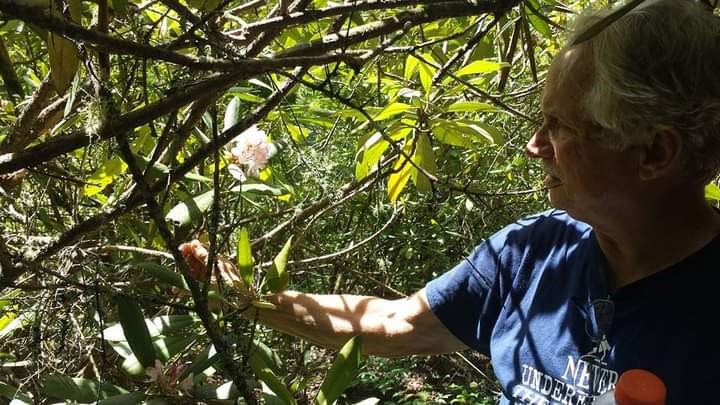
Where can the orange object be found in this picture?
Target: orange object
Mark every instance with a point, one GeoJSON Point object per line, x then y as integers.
{"type": "Point", "coordinates": [640, 387]}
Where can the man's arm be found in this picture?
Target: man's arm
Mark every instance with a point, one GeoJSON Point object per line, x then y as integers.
{"type": "Point", "coordinates": [390, 328]}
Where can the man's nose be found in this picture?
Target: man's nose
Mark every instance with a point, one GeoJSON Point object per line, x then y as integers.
{"type": "Point", "coordinates": [539, 145]}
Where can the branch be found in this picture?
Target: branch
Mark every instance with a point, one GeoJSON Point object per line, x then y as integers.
{"type": "Point", "coordinates": [346, 191]}
{"type": "Point", "coordinates": [304, 17]}
{"type": "Point", "coordinates": [60, 145]}
{"type": "Point", "coordinates": [124, 206]}
{"type": "Point", "coordinates": [350, 248]}
{"type": "Point", "coordinates": [449, 9]}
{"type": "Point", "coordinates": [199, 296]}
{"type": "Point", "coordinates": [110, 44]}
{"type": "Point", "coordinates": [21, 133]}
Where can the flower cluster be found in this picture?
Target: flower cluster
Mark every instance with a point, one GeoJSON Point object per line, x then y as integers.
{"type": "Point", "coordinates": [252, 149]}
{"type": "Point", "coordinates": [166, 378]}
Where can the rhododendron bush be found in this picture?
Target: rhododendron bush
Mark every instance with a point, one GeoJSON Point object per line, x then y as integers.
{"type": "Point", "coordinates": [166, 165]}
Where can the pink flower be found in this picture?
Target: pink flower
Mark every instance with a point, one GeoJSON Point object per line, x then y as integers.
{"type": "Point", "coordinates": [166, 378]}
{"type": "Point", "coordinates": [252, 149]}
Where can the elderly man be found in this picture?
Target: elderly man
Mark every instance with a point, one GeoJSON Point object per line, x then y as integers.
{"type": "Point", "coordinates": [623, 273]}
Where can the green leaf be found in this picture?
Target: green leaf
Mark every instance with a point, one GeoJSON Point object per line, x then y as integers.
{"type": "Point", "coordinates": [427, 72]}
{"type": "Point", "coordinates": [540, 25]}
{"type": "Point", "coordinates": [11, 392]}
{"type": "Point", "coordinates": [120, 7]}
{"type": "Point", "coordinates": [203, 361]}
{"type": "Point", "coordinates": [78, 389]}
{"type": "Point", "coordinates": [487, 133]}
{"type": "Point", "coordinates": [480, 66]}
{"type": "Point", "coordinates": [342, 373]}
{"type": "Point", "coordinates": [369, 155]}
{"type": "Point", "coordinates": [232, 113]}
{"type": "Point", "coordinates": [392, 110]}
{"type": "Point", "coordinates": [221, 392]}
{"type": "Point", "coordinates": [264, 357]}
{"type": "Point", "coordinates": [130, 398]}
{"type": "Point", "coordinates": [161, 273]}
{"type": "Point", "coordinates": [165, 348]}
{"type": "Point", "coordinates": [190, 210]}
{"type": "Point", "coordinates": [64, 58]}
{"type": "Point", "coordinates": [244, 258]}
{"type": "Point", "coordinates": [7, 72]}
{"type": "Point", "coordinates": [469, 106]}
{"type": "Point", "coordinates": [277, 278]}
{"type": "Point", "coordinates": [135, 330]}
{"type": "Point", "coordinates": [276, 385]}
{"type": "Point", "coordinates": [16, 323]}
{"type": "Point", "coordinates": [712, 192]}
{"type": "Point", "coordinates": [160, 325]}
{"type": "Point", "coordinates": [451, 133]}
{"type": "Point", "coordinates": [401, 174]}
{"type": "Point", "coordinates": [298, 134]}
{"type": "Point", "coordinates": [104, 175]}
{"type": "Point", "coordinates": [411, 65]}
{"type": "Point", "coordinates": [423, 157]}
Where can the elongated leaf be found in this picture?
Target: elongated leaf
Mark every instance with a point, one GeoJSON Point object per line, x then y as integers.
{"type": "Point", "coordinates": [11, 392]}
{"type": "Point", "coordinates": [369, 155]}
{"type": "Point", "coordinates": [265, 357]}
{"type": "Point", "coordinates": [104, 175]}
{"type": "Point", "coordinates": [448, 132]}
{"type": "Point", "coordinates": [202, 362]}
{"type": "Point", "coordinates": [78, 389]}
{"type": "Point", "coordinates": [342, 373]}
{"type": "Point", "coordinates": [130, 398]}
{"type": "Point", "coordinates": [7, 72]}
{"type": "Point", "coordinates": [298, 133]}
{"type": "Point", "coordinates": [160, 325]}
{"type": "Point", "coordinates": [165, 348]}
{"type": "Point", "coordinates": [392, 110]}
{"type": "Point", "coordinates": [64, 58]}
{"type": "Point", "coordinates": [244, 258]}
{"type": "Point", "coordinates": [423, 157]}
{"type": "Point", "coordinates": [411, 65]}
{"type": "Point", "coordinates": [480, 66]}
{"type": "Point", "coordinates": [232, 113]}
{"type": "Point", "coordinates": [135, 330]}
{"type": "Point", "coordinates": [161, 273]}
{"type": "Point", "coordinates": [191, 210]}
{"type": "Point", "coordinates": [210, 391]}
{"type": "Point", "coordinates": [469, 106]}
{"type": "Point", "coordinates": [536, 19]}
{"type": "Point", "coordinates": [426, 72]}
{"type": "Point", "coordinates": [120, 7]}
{"type": "Point", "coordinates": [401, 174]}
{"type": "Point", "coordinates": [254, 186]}
{"type": "Point", "coordinates": [712, 192]}
{"type": "Point", "coordinates": [17, 323]}
{"type": "Point", "coordinates": [277, 278]}
{"type": "Point", "coordinates": [276, 385]}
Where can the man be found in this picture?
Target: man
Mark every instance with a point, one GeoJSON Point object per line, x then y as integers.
{"type": "Point", "coordinates": [623, 274]}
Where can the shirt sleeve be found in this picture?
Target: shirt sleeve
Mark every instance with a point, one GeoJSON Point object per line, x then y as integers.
{"type": "Point", "coordinates": [469, 298]}
{"type": "Point", "coordinates": [465, 300]}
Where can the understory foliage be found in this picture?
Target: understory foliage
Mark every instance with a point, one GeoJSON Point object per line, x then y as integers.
{"type": "Point", "coordinates": [361, 147]}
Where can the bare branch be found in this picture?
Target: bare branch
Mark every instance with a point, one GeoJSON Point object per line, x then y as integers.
{"type": "Point", "coordinates": [387, 25]}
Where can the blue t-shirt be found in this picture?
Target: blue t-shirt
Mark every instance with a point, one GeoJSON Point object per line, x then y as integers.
{"type": "Point", "coordinates": [534, 297]}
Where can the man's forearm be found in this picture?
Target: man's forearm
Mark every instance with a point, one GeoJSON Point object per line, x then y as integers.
{"type": "Point", "coordinates": [390, 328]}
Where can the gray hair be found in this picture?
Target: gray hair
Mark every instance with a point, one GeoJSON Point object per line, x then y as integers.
{"type": "Point", "coordinates": [658, 65]}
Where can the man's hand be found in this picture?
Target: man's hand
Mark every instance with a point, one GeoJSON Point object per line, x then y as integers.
{"type": "Point", "coordinates": [236, 292]}
{"type": "Point", "coordinates": [195, 255]}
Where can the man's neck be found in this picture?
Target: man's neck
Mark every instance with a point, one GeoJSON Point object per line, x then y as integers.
{"type": "Point", "coordinates": [655, 239]}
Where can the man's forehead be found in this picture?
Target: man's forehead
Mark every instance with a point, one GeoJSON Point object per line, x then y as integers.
{"type": "Point", "coordinates": [568, 80]}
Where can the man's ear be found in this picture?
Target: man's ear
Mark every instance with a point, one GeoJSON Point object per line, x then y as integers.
{"type": "Point", "coordinates": [662, 155]}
